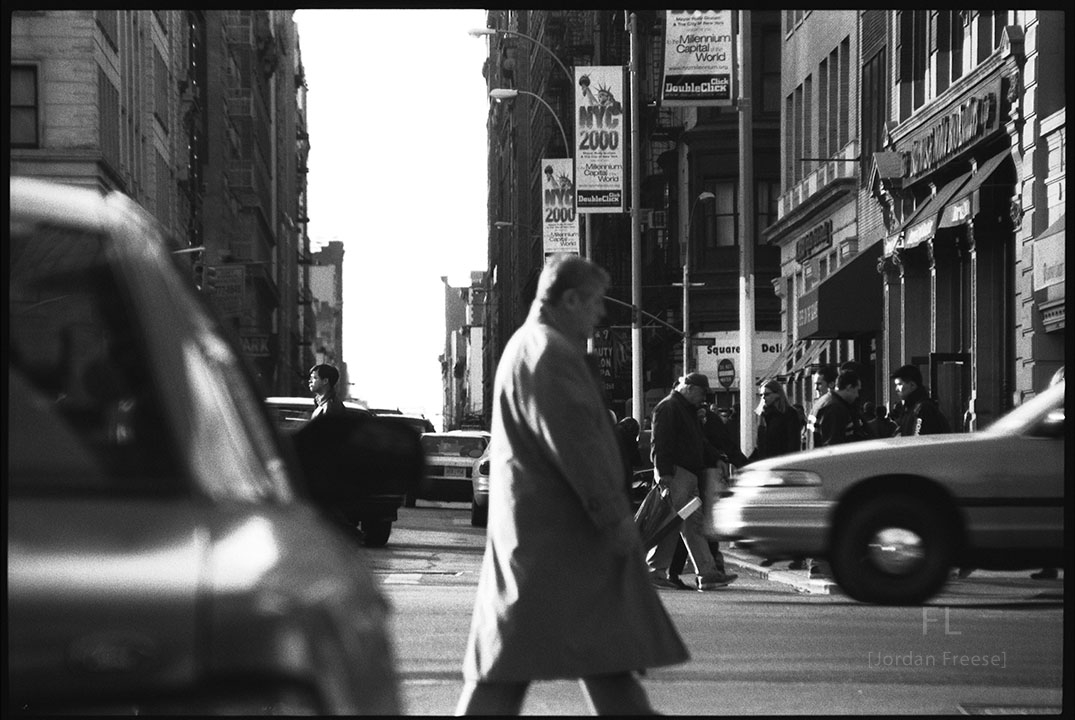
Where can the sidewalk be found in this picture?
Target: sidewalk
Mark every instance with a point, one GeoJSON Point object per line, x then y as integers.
{"type": "Point", "coordinates": [746, 562]}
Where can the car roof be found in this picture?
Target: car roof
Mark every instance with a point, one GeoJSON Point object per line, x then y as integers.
{"type": "Point", "coordinates": [302, 401]}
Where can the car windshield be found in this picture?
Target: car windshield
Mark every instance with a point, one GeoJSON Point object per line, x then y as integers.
{"type": "Point", "coordinates": [454, 445]}
{"type": "Point", "coordinates": [1025, 417]}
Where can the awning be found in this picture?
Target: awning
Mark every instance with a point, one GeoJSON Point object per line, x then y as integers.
{"type": "Point", "coordinates": [922, 224]}
{"type": "Point", "coordinates": [965, 204]}
{"type": "Point", "coordinates": [809, 356]}
{"type": "Point", "coordinates": [780, 362]}
{"type": "Point", "coordinates": [849, 302]}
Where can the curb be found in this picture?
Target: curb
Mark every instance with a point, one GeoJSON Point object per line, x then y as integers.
{"type": "Point", "coordinates": [797, 579]}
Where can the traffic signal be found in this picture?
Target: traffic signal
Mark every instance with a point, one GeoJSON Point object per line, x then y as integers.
{"type": "Point", "coordinates": [205, 277]}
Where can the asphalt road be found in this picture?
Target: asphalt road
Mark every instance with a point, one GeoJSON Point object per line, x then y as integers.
{"type": "Point", "coordinates": [989, 644]}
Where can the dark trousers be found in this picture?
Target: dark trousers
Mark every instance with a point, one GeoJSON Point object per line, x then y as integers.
{"type": "Point", "coordinates": [679, 558]}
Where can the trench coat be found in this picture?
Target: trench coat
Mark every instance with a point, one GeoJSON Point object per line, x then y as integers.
{"type": "Point", "coordinates": [564, 591]}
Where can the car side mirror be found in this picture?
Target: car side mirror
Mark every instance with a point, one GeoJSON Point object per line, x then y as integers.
{"type": "Point", "coordinates": [345, 458]}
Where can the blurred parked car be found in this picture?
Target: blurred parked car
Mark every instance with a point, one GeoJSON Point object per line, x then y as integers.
{"type": "Point", "coordinates": [894, 516]}
{"type": "Point", "coordinates": [479, 502]}
{"type": "Point", "coordinates": [163, 557]}
{"type": "Point", "coordinates": [374, 505]}
{"type": "Point", "coordinates": [418, 424]}
{"type": "Point", "coordinates": [450, 464]}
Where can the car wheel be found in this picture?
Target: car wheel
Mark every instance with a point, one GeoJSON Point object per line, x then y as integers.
{"type": "Point", "coordinates": [479, 516]}
{"type": "Point", "coordinates": [893, 550]}
{"type": "Point", "coordinates": [376, 532]}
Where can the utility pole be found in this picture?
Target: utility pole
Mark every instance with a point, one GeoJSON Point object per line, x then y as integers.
{"type": "Point", "coordinates": [747, 391]}
{"type": "Point", "coordinates": [637, 406]}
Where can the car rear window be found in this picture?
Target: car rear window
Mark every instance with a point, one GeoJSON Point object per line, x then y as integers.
{"type": "Point", "coordinates": [90, 419]}
{"type": "Point", "coordinates": [454, 445]}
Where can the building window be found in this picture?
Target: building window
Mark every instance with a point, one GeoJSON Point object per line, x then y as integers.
{"type": "Point", "coordinates": [721, 220]}
{"type": "Point", "coordinates": [874, 111]}
{"type": "Point", "coordinates": [161, 90]}
{"type": "Point", "coordinates": [108, 101]}
{"type": "Point", "coordinates": [824, 103]}
{"type": "Point", "coordinates": [766, 194]}
{"type": "Point", "coordinates": [770, 69]}
{"type": "Point", "coordinates": [990, 31]}
{"type": "Point", "coordinates": [843, 118]}
{"type": "Point", "coordinates": [24, 107]}
{"type": "Point", "coordinates": [797, 136]}
{"type": "Point", "coordinates": [789, 141]}
{"type": "Point", "coordinates": [911, 50]}
{"type": "Point", "coordinates": [163, 177]}
{"type": "Point", "coordinates": [807, 167]}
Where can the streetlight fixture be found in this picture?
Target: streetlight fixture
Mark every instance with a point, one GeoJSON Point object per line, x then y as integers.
{"type": "Point", "coordinates": [479, 32]}
{"type": "Point", "coordinates": [685, 251]}
{"type": "Point", "coordinates": [499, 94]}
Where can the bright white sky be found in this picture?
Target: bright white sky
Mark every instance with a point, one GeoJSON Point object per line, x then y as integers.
{"type": "Point", "coordinates": [396, 112]}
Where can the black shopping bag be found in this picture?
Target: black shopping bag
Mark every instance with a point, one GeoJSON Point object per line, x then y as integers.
{"type": "Point", "coordinates": [657, 518]}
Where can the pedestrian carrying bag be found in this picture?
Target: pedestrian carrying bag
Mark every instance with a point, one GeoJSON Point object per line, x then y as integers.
{"type": "Point", "coordinates": [657, 518]}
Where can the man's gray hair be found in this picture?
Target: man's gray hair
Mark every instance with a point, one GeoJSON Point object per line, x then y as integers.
{"type": "Point", "coordinates": [565, 272]}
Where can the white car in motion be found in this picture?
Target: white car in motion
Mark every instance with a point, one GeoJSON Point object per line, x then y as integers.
{"type": "Point", "coordinates": [894, 516]}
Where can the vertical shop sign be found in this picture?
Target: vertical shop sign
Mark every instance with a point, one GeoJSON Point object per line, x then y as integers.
{"type": "Point", "coordinates": [560, 224]}
{"type": "Point", "coordinates": [599, 139]}
{"type": "Point", "coordinates": [699, 58]}
{"type": "Point", "coordinates": [228, 289]}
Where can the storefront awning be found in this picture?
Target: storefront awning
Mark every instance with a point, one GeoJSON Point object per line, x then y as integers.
{"type": "Point", "coordinates": [847, 303]}
{"type": "Point", "coordinates": [810, 355]}
{"type": "Point", "coordinates": [965, 203]}
{"type": "Point", "coordinates": [922, 224]}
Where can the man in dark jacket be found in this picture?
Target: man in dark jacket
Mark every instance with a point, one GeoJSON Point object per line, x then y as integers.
{"type": "Point", "coordinates": [839, 420]}
{"type": "Point", "coordinates": [920, 414]}
{"type": "Point", "coordinates": [679, 451]}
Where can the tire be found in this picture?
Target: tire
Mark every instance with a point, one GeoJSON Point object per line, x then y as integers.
{"type": "Point", "coordinates": [893, 549]}
{"type": "Point", "coordinates": [479, 516]}
{"type": "Point", "coordinates": [376, 532]}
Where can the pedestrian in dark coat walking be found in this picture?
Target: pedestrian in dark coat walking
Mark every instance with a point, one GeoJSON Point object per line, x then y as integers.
{"type": "Point", "coordinates": [564, 590]}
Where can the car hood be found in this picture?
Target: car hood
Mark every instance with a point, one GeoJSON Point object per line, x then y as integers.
{"type": "Point", "coordinates": [975, 465]}
{"type": "Point", "coordinates": [924, 445]}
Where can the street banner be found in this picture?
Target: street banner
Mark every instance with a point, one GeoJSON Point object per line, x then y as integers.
{"type": "Point", "coordinates": [599, 139]}
{"type": "Point", "coordinates": [560, 226]}
{"type": "Point", "coordinates": [699, 58]}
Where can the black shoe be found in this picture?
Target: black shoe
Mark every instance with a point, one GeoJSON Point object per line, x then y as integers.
{"type": "Point", "coordinates": [680, 585]}
{"type": "Point", "coordinates": [1045, 574]}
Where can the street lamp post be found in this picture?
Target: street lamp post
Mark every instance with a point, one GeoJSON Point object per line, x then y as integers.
{"type": "Point", "coordinates": [479, 32]}
{"type": "Point", "coordinates": [499, 94]}
{"type": "Point", "coordinates": [685, 248]}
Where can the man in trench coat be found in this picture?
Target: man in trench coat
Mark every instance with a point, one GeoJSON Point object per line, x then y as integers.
{"type": "Point", "coordinates": [564, 590]}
